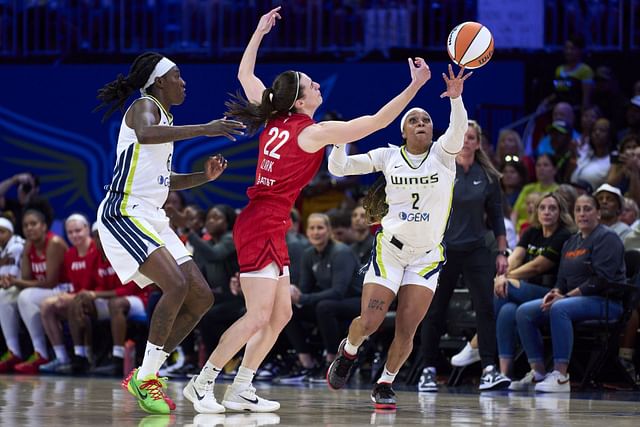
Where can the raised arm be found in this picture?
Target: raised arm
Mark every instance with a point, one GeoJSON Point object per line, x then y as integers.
{"type": "Point", "coordinates": [252, 85]}
{"type": "Point", "coordinates": [340, 164]}
{"type": "Point", "coordinates": [315, 137]}
{"type": "Point", "coordinates": [453, 139]}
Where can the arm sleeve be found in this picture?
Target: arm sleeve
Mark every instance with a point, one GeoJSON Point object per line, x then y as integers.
{"type": "Point", "coordinates": [211, 253]}
{"type": "Point", "coordinates": [453, 139]}
{"type": "Point", "coordinates": [343, 267]}
{"type": "Point", "coordinates": [359, 164]}
{"type": "Point", "coordinates": [494, 209]}
{"type": "Point", "coordinates": [607, 261]}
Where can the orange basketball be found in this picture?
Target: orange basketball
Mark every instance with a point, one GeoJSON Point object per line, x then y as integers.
{"type": "Point", "coordinates": [470, 44]}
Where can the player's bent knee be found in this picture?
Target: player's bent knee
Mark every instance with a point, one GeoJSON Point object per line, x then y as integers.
{"type": "Point", "coordinates": [370, 324]}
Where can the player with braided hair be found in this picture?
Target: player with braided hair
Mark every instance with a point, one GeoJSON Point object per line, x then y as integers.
{"type": "Point", "coordinates": [133, 227]}
{"type": "Point", "coordinates": [290, 153]}
{"type": "Point", "coordinates": [408, 254]}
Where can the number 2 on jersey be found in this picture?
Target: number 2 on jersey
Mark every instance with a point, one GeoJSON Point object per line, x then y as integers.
{"type": "Point", "coordinates": [416, 198]}
{"type": "Point", "coordinates": [275, 133]}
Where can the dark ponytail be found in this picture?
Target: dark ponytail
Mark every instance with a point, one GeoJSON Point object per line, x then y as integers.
{"type": "Point", "coordinates": [114, 94]}
{"type": "Point", "coordinates": [375, 201]}
{"type": "Point", "coordinates": [277, 99]}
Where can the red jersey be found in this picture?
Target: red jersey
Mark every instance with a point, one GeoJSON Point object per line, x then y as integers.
{"type": "Point", "coordinates": [39, 262]}
{"type": "Point", "coordinates": [107, 280]}
{"type": "Point", "coordinates": [79, 270]}
{"type": "Point", "coordinates": [283, 170]}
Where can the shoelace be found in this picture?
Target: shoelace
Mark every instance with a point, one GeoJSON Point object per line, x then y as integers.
{"type": "Point", "coordinates": [155, 389]}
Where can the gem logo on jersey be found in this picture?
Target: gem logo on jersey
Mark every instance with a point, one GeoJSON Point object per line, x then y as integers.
{"type": "Point", "coordinates": [414, 180]}
{"type": "Point", "coordinates": [414, 216]}
{"type": "Point", "coordinates": [164, 180]}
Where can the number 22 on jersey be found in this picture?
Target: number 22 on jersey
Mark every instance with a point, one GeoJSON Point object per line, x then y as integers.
{"type": "Point", "coordinates": [281, 136]}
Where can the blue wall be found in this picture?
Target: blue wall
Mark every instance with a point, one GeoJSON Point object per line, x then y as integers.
{"type": "Point", "coordinates": [46, 123]}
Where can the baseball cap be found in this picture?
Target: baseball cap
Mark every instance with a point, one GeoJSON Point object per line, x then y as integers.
{"type": "Point", "coordinates": [583, 185]}
{"type": "Point", "coordinates": [559, 125]}
{"type": "Point", "coordinates": [613, 190]}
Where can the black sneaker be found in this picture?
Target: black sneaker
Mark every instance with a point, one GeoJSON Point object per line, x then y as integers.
{"type": "Point", "coordinates": [339, 370]}
{"type": "Point", "coordinates": [320, 374]}
{"type": "Point", "coordinates": [112, 369]}
{"type": "Point", "coordinates": [79, 365]}
{"type": "Point", "coordinates": [383, 396]}
{"type": "Point", "coordinates": [491, 379]}
{"type": "Point", "coordinates": [302, 375]}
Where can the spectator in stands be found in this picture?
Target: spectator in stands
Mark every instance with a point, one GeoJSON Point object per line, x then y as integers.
{"type": "Point", "coordinates": [174, 207]}
{"type": "Point", "coordinates": [569, 193]}
{"type": "Point", "coordinates": [105, 298]}
{"type": "Point", "coordinates": [533, 266]}
{"type": "Point", "coordinates": [608, 97]}
{"type": "Point", "coordinates": [581, 187]}
{"type": "Point", "coordinates": [593, 252]}
{"type": "Point", "coordinates": [194, 217]}
{"type": "Point", "coordinates": [633, 118]}
{"type": "Point", "coordinates": [476, 194]}
{"type": "Point", "coordinates": [218, 262]}
{"type": "Point", "coordinates": [573, 80]}
{"type": "Point", "coordinates": [11, 248]}
{"type": "Point", "coordinates": [329, 272]}
{"type": "Point", "coordinates": [27, 188]}
{"type": "Point", "coordinates": [611, 202]}
{"type": "Point", "coordinates": [630, 212]}
{"type": "Point", "coordinates": [545, 174]}
{"type": "Point", "coordinates": [562, 112]}
{"type": "Point", "coordinates": [296, 245]}
{"type": "Point", "coordinates": [587, 121]}
{"type": "Point", "coordinates": [625, 167]}
{"type": "Point", "coordinates": [594, 167]}
{"type": "Point", "coordinates": [514, 178]}
{"type": "Point", "coordinates": [79, 267]}
{"type": "Point", "coordinates": [511, 149]}
{"type": "Point", "coordinates": [41, 273]}
{"type": "Point", "coordinates": [362, 237]}
{"type": "Point", "coordinates": [341, 226]}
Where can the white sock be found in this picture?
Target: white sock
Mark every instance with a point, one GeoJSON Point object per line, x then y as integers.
{"type": "Point", "coordinates": [387, 377]}
{"type": "Point", "coordinates": [61, 353]}
{"type": "Point", "coordinates": [154, 357]}
{"type": "Point", "coordinates": [40, 346]}
{"type": "Point", "coordinates": [350, 349]}
{"type": "Point", "coordinates": [208, 374]}
{"type": "Point", "coordinates": [244, 376]}
{"type": "Point", "coordinates": [118, 351]}
{"type": "Point", "coordinates": [80, 350]}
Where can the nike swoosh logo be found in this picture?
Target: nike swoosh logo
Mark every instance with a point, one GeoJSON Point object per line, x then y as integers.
{"type": "Point", "coordinates": [476, 182]}
{"type": "Point", "coordinates": [196, 392]}
{"type": "Point", "coordinates": [139, 392]}
{"type": "Point", "coordinates": [397, 166]}
{"type": "Point", "coordinates": [254, 401]}
{"type": "Point", "coordinates": [563, 382]}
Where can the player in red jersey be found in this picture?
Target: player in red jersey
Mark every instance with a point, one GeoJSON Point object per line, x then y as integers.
{"type": "Point", "coordinates": [291, 149]}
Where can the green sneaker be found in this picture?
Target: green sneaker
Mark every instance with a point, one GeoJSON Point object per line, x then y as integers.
{"type": "Point", "coordinates": [149, 393]}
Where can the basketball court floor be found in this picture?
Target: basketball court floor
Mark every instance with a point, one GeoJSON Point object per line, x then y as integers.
{"type": "Point", "coordinates": [67, 401]}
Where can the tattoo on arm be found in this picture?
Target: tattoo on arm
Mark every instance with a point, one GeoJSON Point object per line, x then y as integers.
{"type": "Point", "coordinates": [376, 304]}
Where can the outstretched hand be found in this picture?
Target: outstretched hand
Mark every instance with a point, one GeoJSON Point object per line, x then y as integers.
{"type": "Point", "coordinates": [268, 21]}
{"type": "Point", "coordinates": [214, 166]}
{"type": "Point", "coordinates": [224, 127]}
{"type": "Point", "coordinates": [420, 72]}
{"type": "Point", "coordinates": [455, 84]}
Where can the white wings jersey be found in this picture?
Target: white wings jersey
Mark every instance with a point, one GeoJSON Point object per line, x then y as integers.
{"type": "Point", "coordinates": [419, 195]}
{"type": "Point", "coordinates": [142, 171]}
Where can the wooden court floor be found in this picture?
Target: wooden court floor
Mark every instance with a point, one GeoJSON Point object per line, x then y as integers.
{"type": "Point", "coordinates": [66, 401]}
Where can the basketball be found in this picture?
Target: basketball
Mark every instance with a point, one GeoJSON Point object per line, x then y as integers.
{"type": "Point", "coordinates": [470, 44]}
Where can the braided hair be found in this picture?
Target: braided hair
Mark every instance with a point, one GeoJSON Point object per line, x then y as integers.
{"type": "Point", "coordinates": [375, 201]}
{"type": "Point", "coordinates": [277, 99]}
{"type": "Point", "coordinates": [114, 94]}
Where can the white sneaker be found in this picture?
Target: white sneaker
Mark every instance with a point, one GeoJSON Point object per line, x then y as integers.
{"type": "Point", "coordinates": [554, 382]}
{"type": "Point", "coordinates": [491, 379]}
{"type": "Point", "coordinates": [467, 356]}
{"type": "Point", "coordinates": [202, 397]}
{"type": "Point", "coordinates": [242, 397]}
{"type": "Point", "coordinates": [526, 383]}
